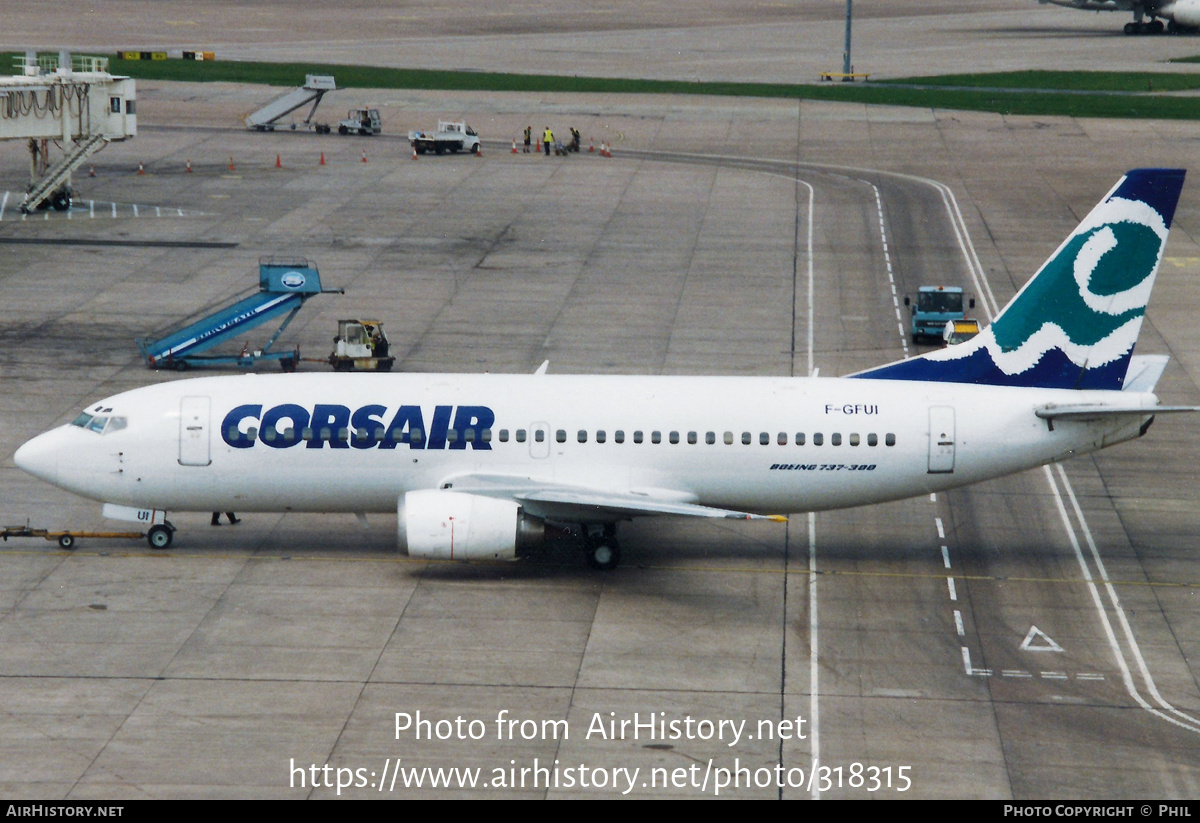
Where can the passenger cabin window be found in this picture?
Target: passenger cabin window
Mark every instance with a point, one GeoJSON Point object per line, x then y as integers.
{"type": "Point", "coordinates": [818, 439]}
{"type": "Point", "coordinates": [674, 437]}
{"type": "Point", "coordinates": [710, 438]}
{"type": "Point", "coordinates": [655, 437]}
{"type": "Point", "coordinates": [637, 437]}
{"type": "Point", "coordinates": [854, 440]}
{"type": "Point", "coordinates": [601, 436]}
{"type": "Point", "coordinates": [799, 438]}
{"type": "Point", "coordinates": [835, 439]}
{"type": "Point", "coordinates": [889, 440]}
{"type": "Point", "coordinates": [521, 435]}
{"type": "Point", "coordinates": [618, 436]}
{"type": "Point", "coordinates": [872, 440]}
{"type": "Point", "coordinates": [763, 438]}
{"type": "Point", "coordinates": [561, 435]}
{"type": "Point", "coordinates": [581, 436]}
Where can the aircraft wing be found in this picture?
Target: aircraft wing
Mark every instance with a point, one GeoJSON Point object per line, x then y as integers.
{"type": "Point", "coordinates": [570, 502]}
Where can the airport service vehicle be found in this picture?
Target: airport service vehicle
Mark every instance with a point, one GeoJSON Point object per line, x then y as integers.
{"type": "Point", "coordinates": [484, 466]}
{"type": "Point", "coordinates": [935, 307]}
{"type": "Point", "coordinates": [361, 121]}
{"type": "Point", "coordinates": [360, 345]}
{"type": "Point", "coordinates": [958, 331]}
{"type": "Point", "coordinates": [1182, 16]}
{"type": "Point", "coordinates": [450, 136]}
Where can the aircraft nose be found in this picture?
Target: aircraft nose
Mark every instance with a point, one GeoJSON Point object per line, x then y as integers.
{"type": "Point", "coordinates": [39, 457]}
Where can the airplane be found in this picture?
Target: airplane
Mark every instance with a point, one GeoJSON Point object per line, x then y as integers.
{"type": "Point", "coordinates": [486, 466]}
{"type": "Point", "coordinates": [1181, 15]}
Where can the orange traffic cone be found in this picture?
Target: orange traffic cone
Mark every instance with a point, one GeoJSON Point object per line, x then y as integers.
{"type": "Point", "coordinates": [364, 155]}
{"type": "Point", "coordinates": [278, 162]}
{"type": "Point", "coordinates": [231, 162]}
{"type": "Point", "coordinates": [414, 152]}
{"type": "Point", "coordinates": [322, 163]}
{"type": "Point", "coordinates": [591, 145]}
{"type": "Point", "coordinates": [141, 169]}
{"type": "Point", "coordinates": [188, 167]}
{"type": "Point", "coordinates": [92, 172]}
{"type": "Point", "coordinates": [514, 147]}
{"type": "Point", "coordinates": [479, 150]}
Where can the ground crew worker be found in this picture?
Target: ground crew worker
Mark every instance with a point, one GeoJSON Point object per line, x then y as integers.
{"type": "Point", "coordinates": [528, 137]}
{"type": "Point", "coordinates": [547, 139]}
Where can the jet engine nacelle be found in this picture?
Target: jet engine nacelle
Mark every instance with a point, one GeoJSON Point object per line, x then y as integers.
{"type": "Point", "coordinates": [452, 525]}
{"type": "Point", "coordinates": [1184, 12]}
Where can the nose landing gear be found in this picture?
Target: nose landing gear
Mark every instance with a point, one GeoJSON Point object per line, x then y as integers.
{"type": "Point", "coordinates": [160, 537]}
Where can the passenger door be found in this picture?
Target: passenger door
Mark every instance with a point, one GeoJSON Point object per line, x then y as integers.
{"type": "Point", "coordinates": [193, 431]}
{"type": "Point", "coordinates": [941, 439]}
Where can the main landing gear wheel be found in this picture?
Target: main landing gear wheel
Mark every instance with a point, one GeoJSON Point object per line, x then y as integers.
{"type": "Point", "coordinates": [602, 553]}
{"type": "Point", "coordinates": [1153, 27]}
{"type": "Point", "coordinates": [160, 537]}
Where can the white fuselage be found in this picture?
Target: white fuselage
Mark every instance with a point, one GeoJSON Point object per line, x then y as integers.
{"type": "Point", "coordinates": [223, 443]}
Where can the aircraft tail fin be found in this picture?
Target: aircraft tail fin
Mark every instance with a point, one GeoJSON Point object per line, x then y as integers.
{"type": "Point", "coordinates": [1075, 323]}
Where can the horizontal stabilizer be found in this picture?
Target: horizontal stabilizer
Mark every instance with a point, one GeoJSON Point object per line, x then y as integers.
{"type": "Point", "coordinates": [1096, 412]}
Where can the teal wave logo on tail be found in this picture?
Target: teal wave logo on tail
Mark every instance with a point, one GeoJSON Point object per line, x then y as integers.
{"type": "Point", "coordinates": [1075, 323]}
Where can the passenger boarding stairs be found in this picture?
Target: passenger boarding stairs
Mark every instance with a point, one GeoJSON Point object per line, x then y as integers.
{"type": "Point", "coordinates": [314, 88]}
{"type": "Point", "coordinates": [55, 188]}
{"type": "Point", "coordinates": [284, 286]}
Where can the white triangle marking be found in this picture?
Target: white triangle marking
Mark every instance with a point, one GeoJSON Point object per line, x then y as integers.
{"type": "Point", "coordinates": [1043, 641]}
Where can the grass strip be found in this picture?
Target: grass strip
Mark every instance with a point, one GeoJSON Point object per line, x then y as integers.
{"type": "Point", "coordinates": [1072, 94]}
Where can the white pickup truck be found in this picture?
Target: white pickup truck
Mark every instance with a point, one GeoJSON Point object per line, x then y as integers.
{"type": "Point", "coordinates": [450, 137]}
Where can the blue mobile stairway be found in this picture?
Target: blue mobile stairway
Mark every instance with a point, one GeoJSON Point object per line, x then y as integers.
{"type": "Point", "coordinates": [284, 285]}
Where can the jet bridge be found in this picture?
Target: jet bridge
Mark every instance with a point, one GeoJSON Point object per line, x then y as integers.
{"type": "Point", "coordinates": [314, 88]}
{"type": "Point", "coordinates": [73, 103]}
{"type": "Point", "coordinates": [284, 286]}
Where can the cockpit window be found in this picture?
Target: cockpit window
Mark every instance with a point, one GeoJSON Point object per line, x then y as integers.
{"type": "Point", "coordinates": [99, 423]}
